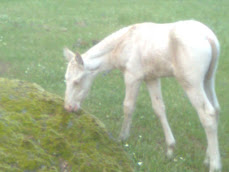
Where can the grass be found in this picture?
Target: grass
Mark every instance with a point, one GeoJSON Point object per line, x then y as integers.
{"type": "Point", "coordinates": [33, 33]}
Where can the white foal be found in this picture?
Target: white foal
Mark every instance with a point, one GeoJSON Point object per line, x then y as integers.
{"type": "Point", "coordinates": [186, 50]}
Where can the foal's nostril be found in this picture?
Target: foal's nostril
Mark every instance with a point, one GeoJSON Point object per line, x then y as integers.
{"type": "Point", "coordinates": [68, 108]}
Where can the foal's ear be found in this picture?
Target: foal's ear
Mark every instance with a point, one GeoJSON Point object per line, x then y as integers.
{"type": "Point", "coordinates": [68, 54]}
{"type": "Point", "coordinates": [79, 59]}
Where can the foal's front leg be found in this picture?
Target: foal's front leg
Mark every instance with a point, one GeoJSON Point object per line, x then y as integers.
{"type": "Point", "coordinates": [132, 86]}
{"type": "Point", "coordinates": [154, 87]}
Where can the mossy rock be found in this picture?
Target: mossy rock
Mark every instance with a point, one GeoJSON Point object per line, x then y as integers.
{"type": "Point", "coordinates": [37, 134]}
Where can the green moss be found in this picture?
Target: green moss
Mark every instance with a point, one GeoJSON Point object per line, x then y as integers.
{"type": "Point", "coordinates": [37, 134]}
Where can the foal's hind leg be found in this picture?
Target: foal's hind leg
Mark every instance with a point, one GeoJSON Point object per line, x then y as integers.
{"type": "Point", "coordinates": [209, 87]}
{"type": "Point", "coordinates": [154, 88]}
{"type": "Point", "coordinates": [208, 117]}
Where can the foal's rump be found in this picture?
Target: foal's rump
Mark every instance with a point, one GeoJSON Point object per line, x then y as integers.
{"type": "Point", "coordinates": [195, 51]}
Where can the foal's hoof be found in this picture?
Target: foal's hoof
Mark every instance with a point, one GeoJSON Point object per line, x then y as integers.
{"type": "Point", "coordinates": [169, 154]}
{"type": "Point", "coordinates": [215, 167]}
{"type": "Point", "coordinates": [215, 170]}
{"type": "Point", "coordinates": [121, 138]}
{"type": "Point", "coordinates": [170, 151]}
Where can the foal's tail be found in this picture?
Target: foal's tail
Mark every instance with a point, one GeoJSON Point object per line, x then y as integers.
{"type": "Point", "coordinates": [209, 82]}
{"type": "Point", "coordinates": [215, 46]}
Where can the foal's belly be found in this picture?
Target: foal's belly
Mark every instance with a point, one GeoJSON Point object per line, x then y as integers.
{"type": "Point", "coordinates": [157, 66]}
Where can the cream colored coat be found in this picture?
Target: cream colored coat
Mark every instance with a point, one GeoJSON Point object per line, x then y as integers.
{"type": "Point", "coordinates": [186, 50]}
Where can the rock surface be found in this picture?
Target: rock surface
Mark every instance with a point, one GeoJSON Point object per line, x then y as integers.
{"type": "Point", "coordinates": [37, 134]}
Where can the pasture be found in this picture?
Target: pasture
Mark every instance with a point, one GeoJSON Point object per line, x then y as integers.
{"type": "Point", "coordinates": [32, 37]}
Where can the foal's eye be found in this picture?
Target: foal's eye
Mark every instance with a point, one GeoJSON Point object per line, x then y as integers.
{"type": "Point", "coordinates": [76, 81]}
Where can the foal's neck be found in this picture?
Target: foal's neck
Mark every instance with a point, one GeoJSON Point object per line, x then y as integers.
{"type": "Point", "coordinates": [98, 57]}
{"type": "Point", "coordinates": [97, 61]}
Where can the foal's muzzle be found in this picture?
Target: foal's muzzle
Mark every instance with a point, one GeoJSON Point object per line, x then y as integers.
{"type": "Point", "coordinates": [70, 108]}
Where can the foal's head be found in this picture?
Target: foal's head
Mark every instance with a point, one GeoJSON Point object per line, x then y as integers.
{"type": "Point", "coordinates": [77, 81]}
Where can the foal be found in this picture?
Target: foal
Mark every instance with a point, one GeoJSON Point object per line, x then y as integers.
{"type": "Point", "coordinates": [186, 50]}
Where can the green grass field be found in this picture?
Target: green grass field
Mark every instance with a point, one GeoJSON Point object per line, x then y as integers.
{"type": "Point", "coordinates": [34, 32]}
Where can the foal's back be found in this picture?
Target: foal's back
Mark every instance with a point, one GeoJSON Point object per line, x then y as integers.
{"type": "Point", "coordinates": [154, 49]}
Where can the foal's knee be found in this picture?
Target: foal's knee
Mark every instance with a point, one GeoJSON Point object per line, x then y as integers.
{"type": "Point", "coordinates": [128, 107]}
{"type": "Point", "coordinates": [159, 108]}
{"type": "Point", "coordinates": [209, 119]}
